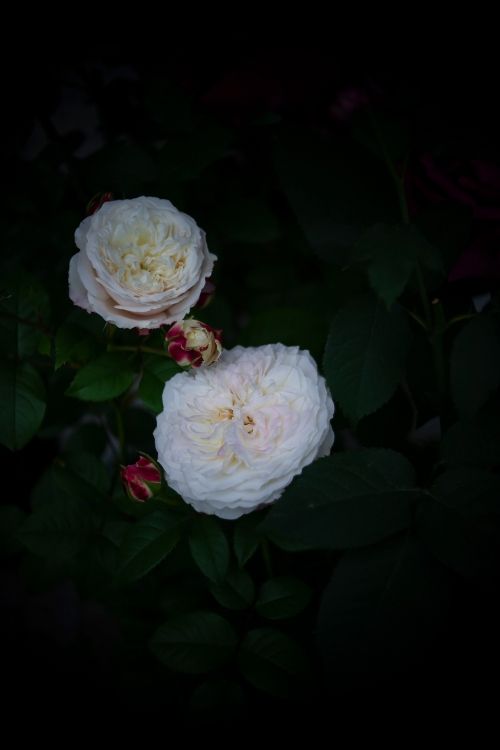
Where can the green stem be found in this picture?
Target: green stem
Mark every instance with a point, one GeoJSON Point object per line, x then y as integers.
{"type": "Point", "coordinates": [438, 350]}
{"type": "Point", "coordinates": [266, 554]}
{"type": "Point", "coordinates": [137, 349]}
{"type": "Point", "coordinates": [423, 296]}
{"type": "Point", "coordinates": [120, 431]}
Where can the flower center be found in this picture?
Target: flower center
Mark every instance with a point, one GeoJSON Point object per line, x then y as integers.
{"type": "Point", "coordinates": [146, 259]}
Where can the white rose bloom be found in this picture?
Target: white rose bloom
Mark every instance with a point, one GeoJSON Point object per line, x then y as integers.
{"type": "Point", "coordinates": [142, 263]}
{"type": "Point", "coordinates": [232, 436]}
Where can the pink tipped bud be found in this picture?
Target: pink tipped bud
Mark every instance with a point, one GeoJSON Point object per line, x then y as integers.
{"type": "Point", "coordinates": [97, 201]}
{"type": "Point", "coordinates": [206, 296]}
{"type": "Point", "coordinates": [143, 331]}
{"type": "Point", "coordinates": [194, 343]}
{"type": "Point", "coordinates": [141, 480]}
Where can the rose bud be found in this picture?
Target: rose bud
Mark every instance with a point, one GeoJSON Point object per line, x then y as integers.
{"type": "Point", "coordinates": [206, 296]}
{"type": "Point", "coordinates": [141, 480]}
{"type": "Point", "coordinates": [97, 201]}
{"type": "Point", "coordinates": [194, 343]}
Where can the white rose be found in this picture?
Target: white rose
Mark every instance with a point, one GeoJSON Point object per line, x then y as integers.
{"type": "Point", "coordinates": [232, 436]}
{"type": "Point", "coordinates": [142, 263]}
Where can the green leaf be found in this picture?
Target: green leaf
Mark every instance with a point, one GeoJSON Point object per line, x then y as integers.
{"type": "Point", "coordinates": [209, 547]}
{"type": "Point", "coordinates": [246, 537]}
{"type": "Point", "coordinates": [365, 356]}
{"type": "Point", "coordinates": [76, 340]}
{"type": "Point", "coordinates": [346, 500]}
{"type": "Point", "coordinates": [11, 519]}
{"type": "Point", "coordinates": [22, 298]}
{"type": "Point", "coordinates": [291, 326]}
{"type": "Point", "coordinates": [105, 378]}
{"type": "Point", "coordinates": [194, 643]}
{"type": "Point", "coordinates": [335, 189]}
{"type": "Point", "coordinates": [380, 610]}
{"type": "Point", "coordinates": [157, 370]}
{"type": "Point", "coordinates": [236, 591]}
{"type": "Point", "coordinates": [22, 394]}
{"type": "Point", "coordinates": [475, 365]}
{"type": "Point", "coordinates": [147, 543]}
{"type": "Point", "coordinates": [185, 158]}
{"type": "Point", "coordinates": [461, 523]}
{"type": "Point", "coordinates": [391, 254]}
{"type": "Point", "coordinates": [91, 469]}
{"type": "Point", "coordinates": [59, 528]}
{"type": "Point", "coordinates": [273, 662]}
{"type": "Point", "coordinates": [282, 597]}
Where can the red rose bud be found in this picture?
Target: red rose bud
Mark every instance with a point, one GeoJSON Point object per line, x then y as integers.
{"type": "Point", "coordinates": [97, 201]}
{"type": "Point", "coordinates": [141, 480]}
{"type": "Point", "coordinates": [194, 343]}
{"type": "Point", "coordinates": [206, 296]}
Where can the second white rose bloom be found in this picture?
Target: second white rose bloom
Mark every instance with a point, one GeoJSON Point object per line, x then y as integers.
{"type": "Point", "coordinates": [142, 263]}
{"type": "Point", "coordinates": [231, 437]}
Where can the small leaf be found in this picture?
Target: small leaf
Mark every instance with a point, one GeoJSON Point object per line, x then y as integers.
{"type": "Point", "coordinates": [157, 370]}
{"type": "Point", "coordinates": [273, 662]}
{"type": "Point", "coordinates": [346, 500]}
{"type": "Point", "coordinates": [105, 378]}
{"type": "Point", "coordinates": [475, 365]}
{"type": "Point", "coordinates": [194, 643]}
{"type": "Point", "coordinates": [22, 394]}
{"type": "Point", "coordinates": [236, 591]}
{"type": "Point", "coordinates": [209, 547]}
{"type": "Point", "coordinates": [365, 356]}
{"type": "Point", "coordinates": [246, 537]}
{"type": "Point", "coordinates": [391, 254]}
{"type": "Point", "coordinates": [22, 298]}
{"type": "Point", "coordinates": [58, 529]}
{"type": "Point", "coordinates": [147, 543]}
{"type": "Point", "coordinates": [282, 597]}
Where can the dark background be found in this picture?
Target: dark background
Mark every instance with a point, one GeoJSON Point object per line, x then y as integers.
{"type": "Point", "coordinates": [61, 113]}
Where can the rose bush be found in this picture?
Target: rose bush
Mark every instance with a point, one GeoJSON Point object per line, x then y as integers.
{"type": "Point", "coordinates": [141, 263]}
{"type": "Point", "coordinates": [233, 436]}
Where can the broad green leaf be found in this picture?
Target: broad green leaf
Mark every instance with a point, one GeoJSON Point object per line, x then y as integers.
{"type": "Point", "coordinates": [194, 643]}
{"type": "Point", "coordinates": [236, 591]}
{"type": "Point", "coordinates": [73, 343]}
{"type": "Point", "coordinates": [380, 610]}
{"type": "Point", "coordinates": [461, 523]}
{"type": "Point", "coordinates": [335, 189]}
{"type": "Point", "coordinates": [291, 326]}
{"type": "Point", "coordinates": [365, 356]}
{"type": "Point", "coordinates": [272, 661]}
{"type": "Point", "coordinates": [184, 158]}
{"type": "Point", "coordinates": [24, 312]}
{"type": "Point", "coordinates": [209, 547]}
{"type": "Point", "coordinates": [147, 543]}
{"type": "Point", "coordinates": [475, 365]}
{"type": "Point", "coordinates": [157, 370]}
{"type": "Point", "coordinates": [383, 135]}
{"type": "Point", "coordinates": [60, 480]}
{"type": "Point", "coordinates": [22, 394]}
{"type": "Point", "coordinates": [346, 500]}
{"type": "Point", "coordinates": [58, 529]}
{"type": "Point", "coordinates": [105, 378]}
{"type": "Point", "coordinates": [246, 537]}
{"type": "Point", "coordinates": [282, 597]}
{"type": "Point", "coordinates": [391, 255]}
{"type": "Point", "coordinates": [91, 469]}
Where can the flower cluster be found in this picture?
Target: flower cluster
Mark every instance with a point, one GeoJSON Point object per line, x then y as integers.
{"type": "Point", "coordinates": [235, 429]}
